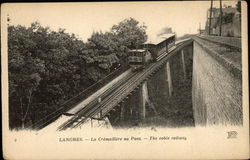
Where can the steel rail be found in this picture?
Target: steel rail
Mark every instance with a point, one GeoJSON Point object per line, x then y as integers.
{"type": "Point", "coordinates": [88, 111]}
{"type": "Point", "coordinates": [112, 97]}
{"type": "Point", "coordinates": [106, 92]}
{"type": "Point", "coordinates": [95, 102]}
{"type": "Point", "coordinates": [68, 103]}
{"type": "Point", "coordinates": [144, 76]}
{"type": "Point", "coordinates": [116, 97]}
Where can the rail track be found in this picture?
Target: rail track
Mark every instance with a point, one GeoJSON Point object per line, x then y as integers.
{"type": "Point", "coordinates": [67, 105]}
{"type": "Point", "coordinates": [86, 109]}
{"type": "Point", "coordinates": [113, 96]}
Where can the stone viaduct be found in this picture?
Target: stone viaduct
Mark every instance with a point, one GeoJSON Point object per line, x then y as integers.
{"type": "Point", "coordinates": [199, 85]}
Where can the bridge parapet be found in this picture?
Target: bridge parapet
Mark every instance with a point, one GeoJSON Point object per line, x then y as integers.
{"type": "Point", "coordinates": [217, 81]}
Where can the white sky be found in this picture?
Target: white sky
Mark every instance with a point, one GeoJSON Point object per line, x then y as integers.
{"type": "Point", "coordinates": [84, 18]}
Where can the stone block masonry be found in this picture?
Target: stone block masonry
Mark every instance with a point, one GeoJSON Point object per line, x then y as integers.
{"type": "Point", "coordinates": [216, 89]}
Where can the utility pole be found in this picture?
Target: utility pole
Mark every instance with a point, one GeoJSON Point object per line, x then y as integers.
{"type": "Point", "coordinates": [210, 16]}
{"type": "Point", "coordinates": [220, 17]}
{"type": "Point", "coordinates": [200, 27]}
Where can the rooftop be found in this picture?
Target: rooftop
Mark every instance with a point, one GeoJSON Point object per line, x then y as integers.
{"type": "Point", "coordinates": [137, 50]}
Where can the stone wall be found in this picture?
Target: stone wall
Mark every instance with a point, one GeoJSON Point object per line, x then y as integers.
{"type": "Point", "coordinates": [216, 92]}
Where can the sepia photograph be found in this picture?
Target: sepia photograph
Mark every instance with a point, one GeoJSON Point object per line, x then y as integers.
{"type": "Point", "coordinates": [100, 80]}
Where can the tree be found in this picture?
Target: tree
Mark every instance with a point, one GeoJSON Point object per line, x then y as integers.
{"type": "Point", "coordinates": [44, 70]}
{"type": "Point", "coordinates": [130, 33]}
{"type": "Point", "coordinates": [24, 71]}
{"type": "Point", "coordinates": [47, 67]}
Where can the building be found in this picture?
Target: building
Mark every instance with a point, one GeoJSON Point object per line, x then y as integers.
{"type": "Point", "coordinates": [230, 22]}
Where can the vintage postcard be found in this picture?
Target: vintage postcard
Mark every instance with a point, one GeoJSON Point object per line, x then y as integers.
{"type": "Point", "coordinates": [125, 80]}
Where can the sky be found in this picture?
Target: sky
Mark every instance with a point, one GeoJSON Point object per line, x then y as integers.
{"type": "Point", "coordinates": [84, 18]}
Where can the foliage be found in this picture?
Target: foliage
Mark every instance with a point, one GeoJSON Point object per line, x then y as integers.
{"type": "Point", "coordinates": [129, 32]}
{"type": "Point", "coordinates": [47, 67]}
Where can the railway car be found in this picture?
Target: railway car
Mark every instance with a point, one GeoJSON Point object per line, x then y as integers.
{"type": "Point", "coordinates": [165, 42]}
{"type": "Point", "coordinates": [151, 51]}
{"type": "Point", "coordinates": [139, 58]}
{"type": "Point", "coordinates": [152, 48]}
{"type": "Point", "coordinates": [160, 45]}
{"type": "Point", "coordinates": [170, 41]}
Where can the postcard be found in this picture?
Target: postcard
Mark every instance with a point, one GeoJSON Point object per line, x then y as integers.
{"type": "Point", "coordinates": [125, 80]}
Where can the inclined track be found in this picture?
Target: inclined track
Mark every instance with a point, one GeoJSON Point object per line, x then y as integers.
{"type": "Point", "coordinates": [113, 96]}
